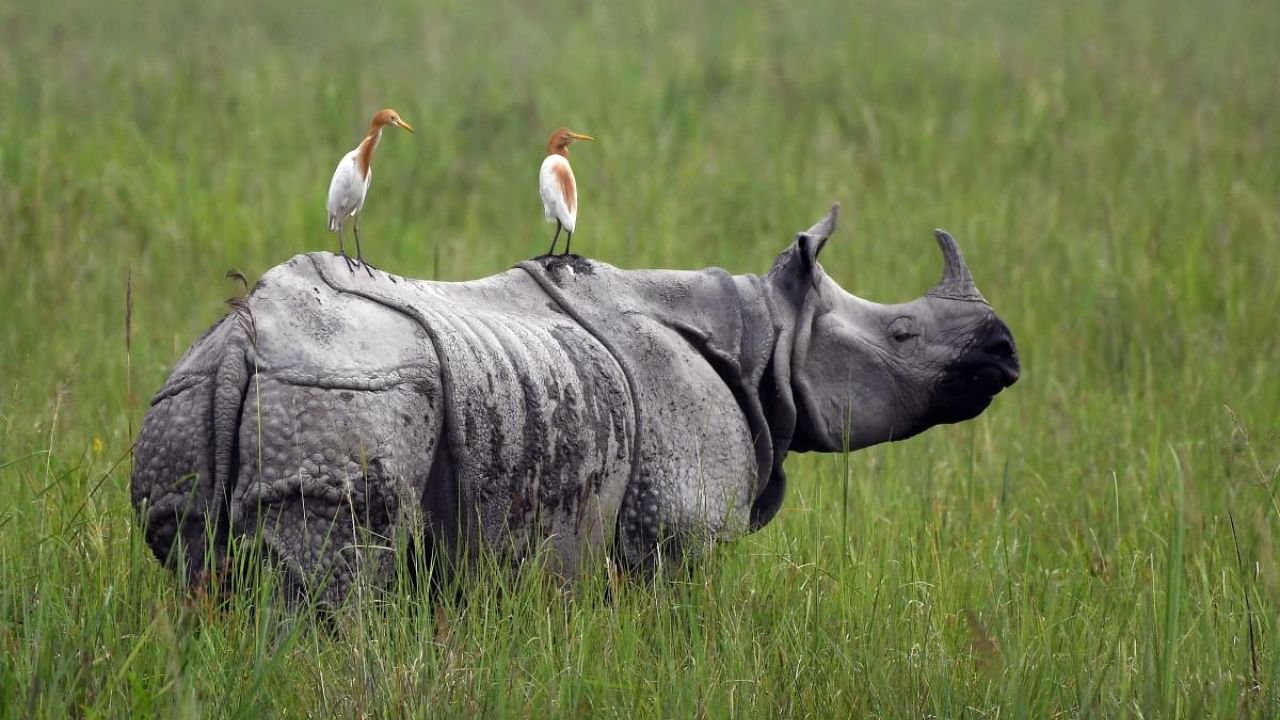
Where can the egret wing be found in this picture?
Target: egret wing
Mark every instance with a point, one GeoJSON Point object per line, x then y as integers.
{"type": "Point", "coordinates": [346, 190]}
{"type": "Point", "coordinates": [558, 191]}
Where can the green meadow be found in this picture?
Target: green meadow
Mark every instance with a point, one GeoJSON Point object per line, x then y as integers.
{"type": "Point", "coordinates": [1102, 542]}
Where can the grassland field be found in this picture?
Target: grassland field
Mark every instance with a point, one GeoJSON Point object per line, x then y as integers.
{"type": "Point", "coordinates": [1100, 543]}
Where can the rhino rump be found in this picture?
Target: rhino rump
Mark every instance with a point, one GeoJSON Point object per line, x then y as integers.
{"type": "Point", "coordinates": [344, 434]}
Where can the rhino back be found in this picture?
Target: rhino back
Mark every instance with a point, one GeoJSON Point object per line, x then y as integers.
{"type": "Point", "coordinates": [512, 412]}
{"type": "Point", "coordinates": [473, 410]}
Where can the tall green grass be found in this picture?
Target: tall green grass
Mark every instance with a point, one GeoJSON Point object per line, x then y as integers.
{"type": "Point", "coordinates": [1099, 544]}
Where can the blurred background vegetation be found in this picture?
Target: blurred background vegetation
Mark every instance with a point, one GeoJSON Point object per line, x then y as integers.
{"type": "Point", "coordinates": [1111, 170]}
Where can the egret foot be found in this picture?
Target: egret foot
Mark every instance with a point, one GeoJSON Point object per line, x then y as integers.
{"type": "Point", "coordinates": [370, 268]}
{"type": "Point", "coordinates": [355, 229]}
{"type": "Point", "coordinates": [342, 250]}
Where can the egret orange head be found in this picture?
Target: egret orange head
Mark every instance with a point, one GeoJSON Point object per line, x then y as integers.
{"type": "Point", "coordinates": [388, 117]}
{"type": "Point", "coordinates": [560, 139]}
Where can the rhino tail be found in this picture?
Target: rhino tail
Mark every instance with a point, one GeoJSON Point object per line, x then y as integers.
{"type": "Point", "coordinates": [186, 457]}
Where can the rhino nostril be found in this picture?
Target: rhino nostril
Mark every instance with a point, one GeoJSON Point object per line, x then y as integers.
{"type": "Point", "coordinates": [1000, 348]}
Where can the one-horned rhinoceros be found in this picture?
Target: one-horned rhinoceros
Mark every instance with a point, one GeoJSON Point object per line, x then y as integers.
{"type": "Point", "coordinates": [563, 405]}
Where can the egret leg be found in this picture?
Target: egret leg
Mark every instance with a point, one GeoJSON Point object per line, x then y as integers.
{"type": "Point", "coordinates": [555, 239]}
{"type": "Point", "coordinates": [355, 228]}
{"type": "Point", "coordinates": [342, 250]}
{"type": "Point", "coordinates": [568, 240]}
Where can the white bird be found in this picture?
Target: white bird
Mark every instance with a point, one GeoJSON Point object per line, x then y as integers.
{"type": "Point", "coordinates": [556, 185]}
{"type": "Point", "coordinates": [350, 183]}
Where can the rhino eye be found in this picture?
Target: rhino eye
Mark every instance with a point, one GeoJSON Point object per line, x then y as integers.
{"type": "Point", "coordinates": [902, 329]}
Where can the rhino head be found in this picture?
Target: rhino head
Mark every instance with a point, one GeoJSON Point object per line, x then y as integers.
{"type": "Point", "coordinates": [863, 373]}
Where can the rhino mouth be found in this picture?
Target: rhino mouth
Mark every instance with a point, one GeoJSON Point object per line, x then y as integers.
{"type": "Point", "coordinates": [991, 377]}
{"type": "Point", "coordinates": [969, 387]}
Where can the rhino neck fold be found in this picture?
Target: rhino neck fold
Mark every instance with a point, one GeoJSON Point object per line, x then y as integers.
{"type": "Point", "coordinates": [805, 431]}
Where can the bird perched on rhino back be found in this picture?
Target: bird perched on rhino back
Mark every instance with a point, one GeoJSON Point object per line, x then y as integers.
{"type": "Point", "coordinates": [350, 183]}
{"type": "Point", "coordinates": [558, 188]}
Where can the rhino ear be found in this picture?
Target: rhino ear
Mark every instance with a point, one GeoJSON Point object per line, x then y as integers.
{"type": "Point", "coordinates": [811, 241]}
{"type": "Point", "coordinates": [801, 259]}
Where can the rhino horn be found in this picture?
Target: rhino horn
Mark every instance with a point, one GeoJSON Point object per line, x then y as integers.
{"type": "Point", "coordinates": [957, 282]}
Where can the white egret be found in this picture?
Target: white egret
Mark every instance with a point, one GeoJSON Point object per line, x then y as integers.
{"type": "Point", "coordinates": [350, 183]}
{"type": "Point", "coordinates": [556, 184]}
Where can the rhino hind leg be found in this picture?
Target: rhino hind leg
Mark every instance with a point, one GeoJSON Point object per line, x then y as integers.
{"type": "Point", "coordinates": [329, 481]}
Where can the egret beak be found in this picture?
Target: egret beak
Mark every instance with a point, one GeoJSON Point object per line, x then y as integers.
{"type": "Point", "coordinates": [579, 136]}
{"type": "Point", "coordinates": [405, 125]}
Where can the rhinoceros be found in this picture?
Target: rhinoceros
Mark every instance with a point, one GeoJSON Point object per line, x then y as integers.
{"type": "Point", "coordinates": [564, 407]}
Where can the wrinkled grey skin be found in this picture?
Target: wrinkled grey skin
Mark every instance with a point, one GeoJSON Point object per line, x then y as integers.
{"type": "Point", "coordinates": [564, 404]}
